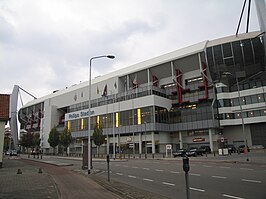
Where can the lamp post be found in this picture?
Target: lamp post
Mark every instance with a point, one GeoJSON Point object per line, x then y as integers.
{"type": "Point", "coordinates": [89, 117]}
{"type": "Point", "coordinates": [241, 112]}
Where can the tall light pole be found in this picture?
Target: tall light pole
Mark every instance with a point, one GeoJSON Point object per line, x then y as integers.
{"type": "Point", "coordinates": [89, 117]}
{"type": "Point", "coordinates": [241, 112]}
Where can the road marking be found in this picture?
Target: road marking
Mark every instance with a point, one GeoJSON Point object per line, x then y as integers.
{"type": "Point", "coordinates": [147, 179]}
{"type": "Point", "coordinates": [194, 174]}
{"type": "Point", "coordinates": [131, 176]}
{"type": "Point", "coordinates": [135, 167]}
{"type": "Point", "coordinates": [228, 196]}
{"type": "Point", "coordinates": [120, 174]}
{"type": "Point", "coordinates": [246, 180]}
{"type": "Point", "coordinates": [146, 168]}
{"type": "Point", "coordinates": [167, 183]}
{"type": "Point", "coordinates": [248, 169]}
{"type": "Point", "coordinates": [220, 177]}
{"type": "Point", "coordinates": [225, 167]}
{"type": "Point", "coordinates": [195, 189]}
{"type": "Point", "coordinates": [117, 165]}
{"type": "Point", "coordinates": [176, 172]}
{"type": "Point", "coordinates": [206, 166]}
{"type": "Point", "coordinates": [159, 170]}
{"type": "Point", "coordinates": [125, 166]}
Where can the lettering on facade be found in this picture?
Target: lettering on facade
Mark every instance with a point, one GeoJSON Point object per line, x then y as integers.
{"type": "Point", "coordinates": [78, 115]}
{"type": "Point", "coordinates": [198, 139]}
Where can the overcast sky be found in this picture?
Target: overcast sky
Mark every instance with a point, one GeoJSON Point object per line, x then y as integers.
{"type": "Point", "coordinates": [46, 45]}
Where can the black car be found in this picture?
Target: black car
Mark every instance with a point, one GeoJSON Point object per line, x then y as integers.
{"type": "Point", "coordinates": [241, 148]}
{"type": "Point", "coordinates": [193, 151]}
{"type": "Point", "coordinates": [180, 152]}
{"type": "Point", "coordinates": [205, 149]}
{"type": "Point", "coordinates": [231, 148]}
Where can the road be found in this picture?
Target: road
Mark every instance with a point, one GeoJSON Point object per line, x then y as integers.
{"type": "Point", "coordinates": [206, 179]}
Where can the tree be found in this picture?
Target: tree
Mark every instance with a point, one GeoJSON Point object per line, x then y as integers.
{"type": "Point", "coordinates": [66, 138]}
{"type": "Point", "coordinates": [98, 136]}
{"type": "Point", "coordinates": [36, 140]}
{"type": "Point", "coordinates": [27, 140]}
{"type": "Point", "coordinates": [53, 138]}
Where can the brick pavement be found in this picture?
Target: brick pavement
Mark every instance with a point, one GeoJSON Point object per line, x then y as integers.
{"type": "Point", "coordinates": [28, 185]}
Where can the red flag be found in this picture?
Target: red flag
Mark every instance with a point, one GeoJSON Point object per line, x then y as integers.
{"type": "Point", "coordinates": [135, 83]}
{"type": "Point", "coordinates": [155, 80]}
{"type": "Point", "coordinates": [105, 90]}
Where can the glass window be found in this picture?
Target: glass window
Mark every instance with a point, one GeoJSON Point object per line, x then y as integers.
{"type": "Point", "coordinates": [257, 113]}
{"type": "Point", "coordinates": [250, 114]}
{"type": "Point", "coordinates": [263, 112]}
{"type": "Point", "coordinates": [227, 50]}
{"type": "Point", "coordinates": [254, 99]}
{"type": "Point", "coordinates": [248, 100]}
{"type": "Point", "coordinates": [235, 102]}
{"type": "Point", "coordinates": [237, 53]}
{"type": "Point", "coordinates": [248, 53]}
{"type": "Point", "coordinates": [260, 98]}
{"type": "Point", "coordinates": [218, 54]}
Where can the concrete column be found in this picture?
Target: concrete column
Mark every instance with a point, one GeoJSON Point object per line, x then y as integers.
{"type": "Point", "coordinates": [180, 140]}
{"type": "Point", "coordinates": [210, 138]}
{"type": "Point", "coordinates": [107, 144]}
{"type": "Point", "coordinates": [152, 142]}
{"type": "Point", "coordinates": [140, 143]}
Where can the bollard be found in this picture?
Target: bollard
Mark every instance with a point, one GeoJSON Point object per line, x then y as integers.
{"type": "Point", "coordinates": [214, 153]}
{"type": "Point", "coordinates": [139, 156]}
{"type": "Point", "coordinates": [40, 170]}
{"type": "Point", "coordinates": [153, 156]}
{"type": "Point", "coordinates": [206, 154]}
{"type": "Point", "coordinates": [108, 167]}
{"type": "Point", "coordinates": [19, 171]}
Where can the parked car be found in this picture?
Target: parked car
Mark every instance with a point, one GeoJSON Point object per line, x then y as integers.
{"type": "Point", "coordinates": [14, 153]}
{"type": "Point", "coordinates": [231, 148]}
{"type": "Point", "coordinates": [205, 149]}
{"type": "Point", "coordinates": [180, 152]}
{"type": "Point", "coordinates": [241, 149]}
{"type": "Point", "coordinates": [193, 151]}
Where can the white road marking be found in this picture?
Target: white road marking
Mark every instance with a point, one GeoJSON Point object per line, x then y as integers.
{"type": "Point", "coordinates": [131, 176]}
{"type": "Point", "coordinates": [229, 196]}
{"type": "Point", "coordinates": [248, 169]}
{"type": "Point", "coordinates": [167, 183]}
{"type": "Point", "coordinates": [146, 168]}
{"type": "Point", "coordinates": [220, 177]}
{"type": "Point", "coordinates": [195, 189]}
{"type": "Point", "coordinates": [225, 167]}
{"type": "Point", "coordinates": [135, 167]}
{"type": "Point", "coordinates": [176, 172]}
{"type": "Point", "coordinates": [159, 170]}
{"type": "Point", "coordinates": [246, 180]}
{"type": "Point", "coordinates": [147, 179]}
{"type": "Point", "coordinates": [206, 166]}
{"type": "Point", "coordinates": [194, 174]}
{"type": "Point", "coordinates": [120, 174]}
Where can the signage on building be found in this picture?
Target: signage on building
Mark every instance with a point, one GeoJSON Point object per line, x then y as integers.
{"type": "Point", "coordinates": [129, 139]}
{"type": "Point", "coordinates": [78, 115]}
{"type": "Point", "coordinates": [198, 139]}
{"type": "Point", "coordinates": [168, 147]}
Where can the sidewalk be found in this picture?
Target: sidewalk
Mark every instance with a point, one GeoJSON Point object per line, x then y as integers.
{"type": "Point", "coordinates": [28, 185]}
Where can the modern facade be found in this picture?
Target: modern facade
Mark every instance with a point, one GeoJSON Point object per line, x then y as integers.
{"type": "Point", "coordinates": [203, 94]}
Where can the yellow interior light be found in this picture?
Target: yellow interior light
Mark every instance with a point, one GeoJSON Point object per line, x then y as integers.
{"type": "Point", "coordinates": [116, 119]}
{"type": "Point", "coordinates": [139, 116]}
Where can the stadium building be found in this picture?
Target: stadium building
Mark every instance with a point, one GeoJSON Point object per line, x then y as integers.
{"type": "Point", "coordinates": [204, 94]}
{"type": "Point", "coordinates": [211, 93]}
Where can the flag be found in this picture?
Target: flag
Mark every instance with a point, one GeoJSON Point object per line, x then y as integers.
{"type": "Point", "coordinates": [115, 85]}
{"type": "Point", "coordinates": [105, 90]}
{"type": "Point", "coordinates": [97, 90]}
{"type": "Point", "coordinates": [135, 83]}
{"type": "Point", "coordinates": [155, 80]}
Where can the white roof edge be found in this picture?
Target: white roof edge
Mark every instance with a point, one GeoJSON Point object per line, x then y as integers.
{"type": "Point", "coordinates": [177, 54]}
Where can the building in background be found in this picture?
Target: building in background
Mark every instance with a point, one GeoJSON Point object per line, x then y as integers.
{"type": "Point", "coordinates": [4, 116]}
{"type": "Point", "coordinates": [185, 98]}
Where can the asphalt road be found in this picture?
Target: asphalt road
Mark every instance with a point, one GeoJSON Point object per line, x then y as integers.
{"type": "Point", "coordinates": [206, 179]}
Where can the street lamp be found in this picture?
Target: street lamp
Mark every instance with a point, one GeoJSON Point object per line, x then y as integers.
{"type": "Point", "coordinates": [241, 111]}
{"type": "Point", "coordinates": [89, 117]}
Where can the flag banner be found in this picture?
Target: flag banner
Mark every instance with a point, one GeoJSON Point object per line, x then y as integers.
{"type": "Point", "coordinates": [135, 83]}
{"type": "Point", "coordinates": [97, 90]}
{"type": "Point", "coordinates": [105, 90]}
{"type": "Point", "coordinates": [115, 85]}
{"type": "Point", "coordinates": [155, 81]}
